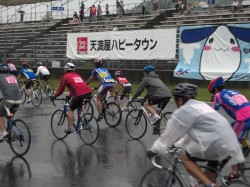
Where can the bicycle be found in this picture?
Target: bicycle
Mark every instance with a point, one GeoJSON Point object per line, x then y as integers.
{"type": "Point", "coordinates": [116, 98]}
{"type": "Point", "coordinates": [36, 94]}
{"type": "Point", "coordinates": [136, 120]}
{"type": "Point", "coordinates": [19, 137]}
{"type": "Point", "coordinates": [86, 125]}
{"type": "Point", "coordinates": [46, 86]}
{"type": "Point", "coordinates": [173, 173]}
{"type": "Point", "coordinates": [111, 111]}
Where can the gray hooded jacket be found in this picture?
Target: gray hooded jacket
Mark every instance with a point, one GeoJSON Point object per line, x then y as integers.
{"type": "Point", "coordinates": [155, 87]}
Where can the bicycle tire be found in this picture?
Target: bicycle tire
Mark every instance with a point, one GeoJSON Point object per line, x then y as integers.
{"type": "Point", "coordinates": [49, 89]}
{"type": "Point", "coordinates": [156, 177]}
{"type": "Point", "coordinates": [89, 132]}
{"type": "Point", "coordinates": [36, 98]}
{"type": "Point", "coordinates": [112, 114]}
{"type": "Point", "coordinates": [135, 122]}
{"type": "Point", "coordinates": [23, 96]}
{"type": "Point", "coordinates": [20, 164]}
{"type": "Point", "coordinates": [238, 183]}
{"type": "Point", "coordinates": [58, 124]}
{"type": "Point", "coordinates": [20, 137]}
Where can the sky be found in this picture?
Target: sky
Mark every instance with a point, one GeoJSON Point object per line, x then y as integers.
{"type": "Point", "coordinates": [72, 6]}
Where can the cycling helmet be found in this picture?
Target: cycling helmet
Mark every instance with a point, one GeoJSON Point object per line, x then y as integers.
{"type": "Point", "coordinates": [215, 84]}
{"type": "Point", "coordinates": [118, 73]}
{"type": "Point", "coordinates": [185, 90]}
{"type": "Point", "coordinates": [25, 63]}
{"type": "Point", "coordinates": [39, 63]}
{"type": "Point", "coordinates": [148, 69]}
{"type": "Point", "coordinates": [98, 62]}
{"type": "Point", "coordinates": [69, 67]}
{"type": "Point", "coordinates": [4, 68]}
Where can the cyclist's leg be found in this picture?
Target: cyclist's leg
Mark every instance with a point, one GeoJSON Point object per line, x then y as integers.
{"type": "Point", "coordinates": [27, 87]}
{"type": "Point", "coordinates": [2, 113]}
{"type": "Point", "coordinates": [125, 91]}
{"type": "Point", "coordinates": [74, 103]}
{"type": "Point", "coordinates": [193, 168]}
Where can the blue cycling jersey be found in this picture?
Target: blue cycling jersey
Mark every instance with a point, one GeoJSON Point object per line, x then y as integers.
{"type": "Point", "coordinates": [103, 75]}
{"type": "Point", "coordinates": [28, 73]}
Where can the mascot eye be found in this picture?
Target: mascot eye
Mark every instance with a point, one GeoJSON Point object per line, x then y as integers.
{"type": "Point", "coordinates": [211, 40]}
{"type": "Point", "coordinates": [232, 41]}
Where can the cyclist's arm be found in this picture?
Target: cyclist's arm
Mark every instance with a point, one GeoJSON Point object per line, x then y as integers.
{"type": "Point", "coordinates": [173, 132]}
{"type": "Point", "coordinates": [37, 72]}
{"type": "Point", "coordinates": [140, 89]}
{"type": "Point", "coordinates": [61, 88]}
{"type": "Point", "coordinates": [90, 79]}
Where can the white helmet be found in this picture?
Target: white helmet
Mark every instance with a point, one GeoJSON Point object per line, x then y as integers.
{"type": "Point", "coordinates": [39, 63]}
{"type": "Point", "coordinates": [69, 67]}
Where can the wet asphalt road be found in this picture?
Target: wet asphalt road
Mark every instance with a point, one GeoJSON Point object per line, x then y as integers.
{"type": "Point", "coordinates": [115, 160]}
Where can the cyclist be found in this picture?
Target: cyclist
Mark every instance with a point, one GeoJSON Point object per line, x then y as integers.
{"type": "Point", "coordinates": [12, 67]}
{"type": "Point", "coordinates": [236, 106]}
{"type": "Point", "coordinates": [30, 76]}
{"type": "Point", "coordinates": [11, 96]}
{"type": "Point", "coordinates": [78, 91]}
{"type": "Point", "coordinates": [210, 136]}
{"type": "Point", "coordinates": [157, 91]}
{"type": "Point", "coordinates": [42, 72]}
{"type": "Point", "coordinates": [121, 80]}
{"type": "Point", "coordinates": [106, 84]}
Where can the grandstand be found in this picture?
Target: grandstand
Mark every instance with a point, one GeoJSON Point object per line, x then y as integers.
{"type": "Point", "coordinates": [45, 40]}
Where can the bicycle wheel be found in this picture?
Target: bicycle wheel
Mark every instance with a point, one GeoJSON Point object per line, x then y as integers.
{"type": "Point", "coordinates": [136, 124]}
{"type": "Point", "coordinates": [244, 169]}
{"type": "Point", "coordinates": [238, 183]}
{"type": "Point", "coordinates": [160, 178]}
{"type": "Point", "coordinates": [36, 98]}
{"type": "Point", "coordinates": [89, 130]}
{"type": "Point", "coordinates": [20, 137]}
{"type": "Point", "coordinates": [23, 96]}
{"type": "Point", "coordinates": [59, 123]}
{"type": "Point", "coordinates": [112, 114]}
{"type": "Point", "coordinates": [49, 89]}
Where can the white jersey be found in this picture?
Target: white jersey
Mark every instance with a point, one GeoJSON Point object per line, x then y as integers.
{"type": "Point", "coordinates": [42, 70]}
{"type": "Point", "coordinates": [212, 137]}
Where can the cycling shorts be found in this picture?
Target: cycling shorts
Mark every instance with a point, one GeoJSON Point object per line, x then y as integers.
{"type": "Point", "coordinates": [13, 72]}
{"type": "Point", "coordinates": [126, 90]}
{"type": "Point", "coordinates": [44, 77]}
{"type": "Point", "coordinates": [78, 101]}
{"type": "Point", "coordinates": [12, 105]}
{"type": "Point", "coordinates": [241, 128]}
{"type": "Point", "coordinates": [214, 164]}
{"type": "Point", "coordinates": [162, 102]}
{"type": "Point", "coordinates": [29, 83]}
{"type": "Point", "coordinates": [104, 88]}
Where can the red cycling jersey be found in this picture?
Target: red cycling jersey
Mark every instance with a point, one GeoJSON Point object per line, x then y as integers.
{"type": "Point", "coordinates": [74, 83]}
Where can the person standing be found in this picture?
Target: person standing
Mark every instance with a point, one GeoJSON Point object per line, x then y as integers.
{"type": "Point", "coordinates": [107, 9]}
{"type": "Point", "coordinates": [99, 13]}
{"type": "Point", "coordinates": [211, 4]}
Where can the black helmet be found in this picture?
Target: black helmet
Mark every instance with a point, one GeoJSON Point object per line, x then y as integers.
{"type": "Point", "coordinates": [98, 62]}
{"type": "Point", "coordinates": [4, 68]}
{"type": "Point", "coordinates": [185, 90]}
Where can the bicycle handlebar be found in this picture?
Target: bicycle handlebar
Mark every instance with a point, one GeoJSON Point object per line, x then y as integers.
{"type": "Point", "coordinates": [66, 99]}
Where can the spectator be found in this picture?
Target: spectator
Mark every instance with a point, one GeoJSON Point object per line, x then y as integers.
{"type": "Point", "coordinates": [99, 13]}
{"type": "Point", "coordinates": [235, 6]}
{"type": "Point", "coordinates": [211, 4]}
{"type": "Point", "coordinates": [189, 8]}
{"type": "Point", "coordinates": [122, 8]}
{"type": "Point", "coordinates": [75, 16]}
{"type": "Point", "coordinates": [182, 8]}
{"type": "Point", "coordinates": [155, 5]}
{"type": "Point", "coordinates": [81, 12]}
{"type": "Point", "coordinates": [144, 8]}
{"type": "Point", "coordinates": [93, 12]}
{"type": "Point", "coordinates": [21, 15]}
{"type": "Point", "coordinates": [240, 5]}
{"type": "Point", "coordinates": [107, 9]}
{"type": "Point", "coordinates": [117, 7]}
{"type": "Point", "coordinates": [90, 13]}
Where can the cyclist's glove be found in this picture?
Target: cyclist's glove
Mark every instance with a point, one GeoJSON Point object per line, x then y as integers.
{"type": "Point", "coordinates": [150, 154]}
{"type": "Point", "coordinates": [95, 88]}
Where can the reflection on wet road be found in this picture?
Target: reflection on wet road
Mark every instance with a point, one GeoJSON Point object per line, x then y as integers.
{"type": "Point", "coordinates": [115, 160]}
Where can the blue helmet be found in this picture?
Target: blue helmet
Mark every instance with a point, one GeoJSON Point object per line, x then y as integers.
{"type": "Point", "coordinates": [148, 69]}
{"type": "Point", "coordinates": [215, 84]}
